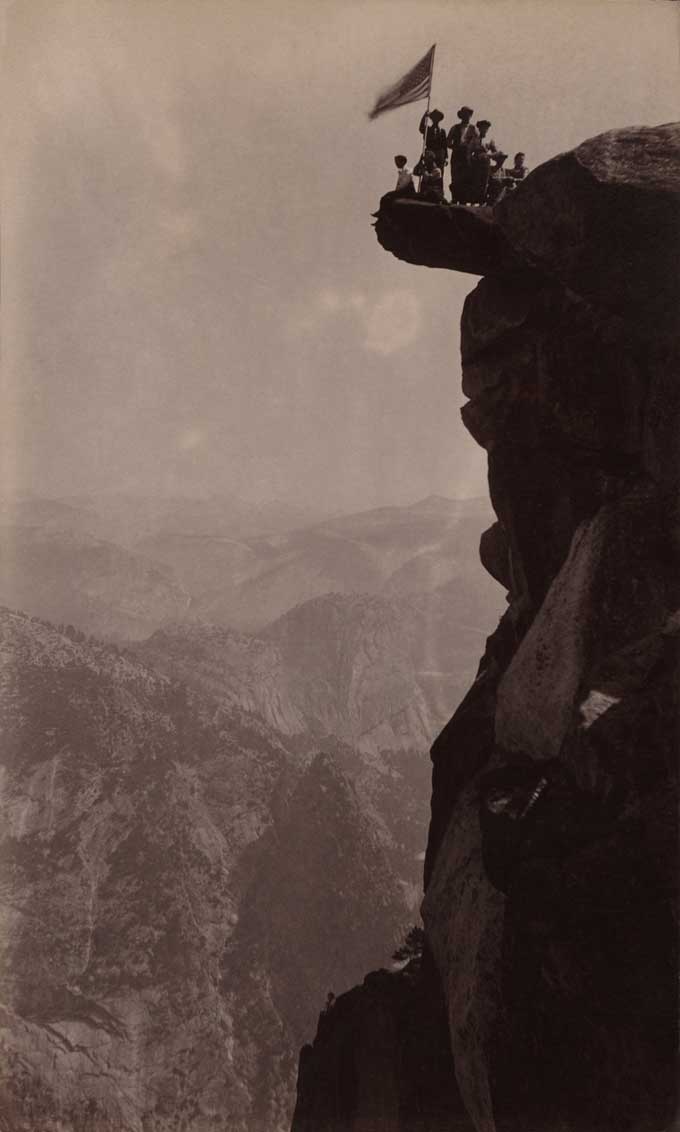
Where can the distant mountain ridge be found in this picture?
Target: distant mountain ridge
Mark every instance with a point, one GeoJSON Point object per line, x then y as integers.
{"type": "Point", "coordinates": [125, 518]}
{"type": "Point", "coordinates": [69, 576]}
{"type": "Point", "coordinates": [247, 583]}
{"type": "Point", "coordinates": [146, 563]}
{"type": "Point", "coordinates": [377, 672]}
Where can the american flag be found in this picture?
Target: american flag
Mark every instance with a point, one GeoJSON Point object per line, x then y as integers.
{"type": "Point", "coordinates": [414, 85]}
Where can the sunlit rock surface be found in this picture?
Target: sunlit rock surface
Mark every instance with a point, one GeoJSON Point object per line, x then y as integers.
{"type": "Point", "coordinates": [553, 922]}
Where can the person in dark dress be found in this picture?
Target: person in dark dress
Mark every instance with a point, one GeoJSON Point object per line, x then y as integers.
{"type": "Point", "coordinates": [480, 152]}
{"type": "Point", "coordinates": [460, 138]}
{"type": "Point", "coordinates": [435, 136]}
{"type": "Point", "coordinates": [498, 178]}
{"type": "Point", "coordinates": [432, 184]}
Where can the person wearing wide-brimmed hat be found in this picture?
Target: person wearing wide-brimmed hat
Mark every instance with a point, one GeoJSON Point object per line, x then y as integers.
{"type": "Point", "coordinates": [435, 136]}
{"type": "Point", "coordinates": [459, 140]}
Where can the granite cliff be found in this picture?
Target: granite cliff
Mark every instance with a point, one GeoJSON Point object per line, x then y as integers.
{"type": "Point", "coordinates": [550, 880]}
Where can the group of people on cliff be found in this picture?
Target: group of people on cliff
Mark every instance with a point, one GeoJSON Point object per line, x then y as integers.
{"type": "Point", "coordinates": [478, 175]}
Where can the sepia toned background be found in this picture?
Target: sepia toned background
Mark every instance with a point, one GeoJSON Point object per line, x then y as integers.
{"type": "Point", "coordinates": [193, 299]}
{"type": "Point", "coordinates": [240, 519]}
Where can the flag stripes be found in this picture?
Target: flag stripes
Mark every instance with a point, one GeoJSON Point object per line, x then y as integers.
{"type": "Point", "coordinates": [414, 85]}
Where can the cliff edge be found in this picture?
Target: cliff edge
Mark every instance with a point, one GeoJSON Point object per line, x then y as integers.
{"type": "Point", "coordinates": [551, 891]}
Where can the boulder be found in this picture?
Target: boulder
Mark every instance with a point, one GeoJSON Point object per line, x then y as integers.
{"type": "Point", "coordinates": [604, 220]}
{"type": "Point", "coordinates": [494, 554]}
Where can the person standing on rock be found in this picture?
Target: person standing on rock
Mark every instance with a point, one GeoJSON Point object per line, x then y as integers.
{"type": "Point", "coordinates": [435, 137]}
{"type": "Point", "coordinates": [480, 153]}
{"type": "Point", "coordinates": [431, 184]}
{"type": "Point", "coordinates": [460, 138]}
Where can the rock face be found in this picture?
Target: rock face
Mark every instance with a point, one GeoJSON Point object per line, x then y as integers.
{"type": "Point", "coordinates": [551, 886]}
{"type": "Point", "coordinates": [597, 217]}
{"type": "Point", "coordinates": [381, 1060]}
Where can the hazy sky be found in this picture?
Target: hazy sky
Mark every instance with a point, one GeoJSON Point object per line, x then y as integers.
{"type": "Point", "coordinates": [193, 296]}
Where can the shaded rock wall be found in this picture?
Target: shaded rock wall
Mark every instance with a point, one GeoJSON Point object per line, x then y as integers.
{"type": "Point", "coordinates": [551, 886]}
{"type": "Point", "coordinates": [559, 975]}
{"type": "Point", "coordinates": [380, 1061]}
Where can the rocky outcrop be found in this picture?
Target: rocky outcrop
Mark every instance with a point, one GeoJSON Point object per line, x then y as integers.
{"type": "Point", "coordinates": [458, 237]}
{"type": "Point", "coordinates": [551, 889]}
{"type": "Point", "coordinates": [602, 219]}
{"type": "Point", "coordinates": [380, 1061]}
{"type": "Point", "coordinates": [559, 986]}
{"type": "Point", "coordinates": [594, 219]}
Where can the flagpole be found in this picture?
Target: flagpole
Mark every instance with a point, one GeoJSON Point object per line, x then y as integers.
{"type": "Point", "coordinates": [429, 93]}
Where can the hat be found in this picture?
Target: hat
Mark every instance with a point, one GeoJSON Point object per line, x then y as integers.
{"type": "Point", "coordinates": [463, 111]}
{"type": "Point", "coordinates": [436, 114]}
{"type": "Point", "coordinates": [498, 155]}
{"type": "Point", "coordinates": [483, 122]}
